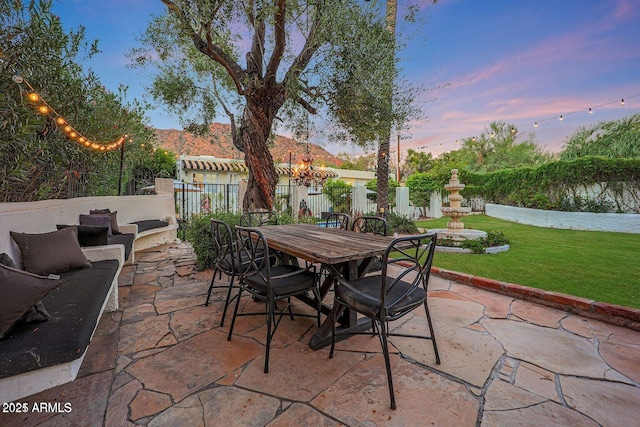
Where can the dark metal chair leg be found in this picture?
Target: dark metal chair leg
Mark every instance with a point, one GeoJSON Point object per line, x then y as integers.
{"type": "Point", "coordinates": [385, 350]}
{"type": "Point", "coordinates": [213, 279]}
{"type": "Point", "coordinates": [226, 302]}
{"type": "Point", "coordinates": [270, 314]}
{"type": "Point", "coordinates": [433, 335]}
{"type": "Point", "coordinates": [235, 313]}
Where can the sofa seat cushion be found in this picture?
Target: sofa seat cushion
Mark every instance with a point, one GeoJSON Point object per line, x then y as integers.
{"type": "Point", "coordinates": [125, 239]}
{"type": "Point", "coordinates": [150, 224]}
{"type": "Point", "coordinates": [75, 307]}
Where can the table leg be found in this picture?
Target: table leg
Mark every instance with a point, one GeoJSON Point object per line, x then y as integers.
{"type": "Point", "coordinates": [347, 319]}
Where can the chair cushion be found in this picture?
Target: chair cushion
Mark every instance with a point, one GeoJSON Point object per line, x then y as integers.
{"type": "Point", "coordinates": [51, 253]}
{"type": "Point", "coordinates": [288, 285]}
{"type": "Point", "coordinates": [20, 291]}
{"type": "Point", "coordinates": [367, 300]}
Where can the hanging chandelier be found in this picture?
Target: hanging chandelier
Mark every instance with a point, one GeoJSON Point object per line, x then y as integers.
{"type": "Point", "coordinates": [305, 174]}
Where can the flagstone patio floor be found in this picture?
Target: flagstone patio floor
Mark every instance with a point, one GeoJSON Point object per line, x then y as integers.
{"type": "Point", "coordinates": [164, 360]}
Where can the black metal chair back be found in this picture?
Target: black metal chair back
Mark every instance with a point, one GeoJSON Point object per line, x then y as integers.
{"type": "Point", "coordinates": [386, 297]}
{"type": "Point", "coordinates": [226, 261]}
{"type": "Point", "coordinates": [370, 224]}
{"type": "Point", "coordinates": [271, 283]}
{"type": "Point", "coordinates": [338, 220]}
{"type": "Point", "coordinates": [258, 219]}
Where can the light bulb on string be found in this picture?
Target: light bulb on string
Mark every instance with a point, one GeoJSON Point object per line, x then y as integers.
{"type": "Point", "coordinates": [622, 102]}
{"type": "Point", "coordinates": [561, 118]}
{"type": "Point", "coordinates": [590, 110]}
{"type": "Point", "coordinates": [535, 125]}
{"type": "Point", "coordinates": [42, 107]}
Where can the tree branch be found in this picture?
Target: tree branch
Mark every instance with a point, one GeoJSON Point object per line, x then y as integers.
{"type": "Point", "coordinates": [307, 52]}
{"type": "Point", "coordinates": [209, 48]}
{"type": "Point", "coordinates": [280, 40]}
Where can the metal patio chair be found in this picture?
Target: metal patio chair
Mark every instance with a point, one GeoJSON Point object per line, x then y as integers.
{"type": "Point", "coordinates": [271, 284]}
{"type": "Point", "coordinates": [384, 297]}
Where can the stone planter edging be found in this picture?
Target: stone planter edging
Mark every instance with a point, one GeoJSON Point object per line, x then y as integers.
{"type": "Point", "coordinates": [609, 313]}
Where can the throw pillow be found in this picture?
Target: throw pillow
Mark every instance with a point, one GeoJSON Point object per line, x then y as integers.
{"type": "Point", "coordinates": [90, 235]}
{"type": "Point", "coordinates": [99, 220]}
{"type": "Point", "coordinates": [20, 291]}
{"type": "Point", "coordinates": [51, 253]}
{"type": "Point", "coordinates": [35, 313]}
{"type": "Point", "coordinates": [114, 218]}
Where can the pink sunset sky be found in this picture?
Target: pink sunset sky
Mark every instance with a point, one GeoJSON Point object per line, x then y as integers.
{"type": "Point", "coordinates": [514, 61]}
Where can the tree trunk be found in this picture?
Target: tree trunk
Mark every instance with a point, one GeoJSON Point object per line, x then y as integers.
{"type": "Point", "coordinates": [255, 130]}
{"type": "Point", "coordinates": [382, 174]}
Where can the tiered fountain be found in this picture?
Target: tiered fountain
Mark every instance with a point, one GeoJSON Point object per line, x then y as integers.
{"type": "Point", "coordinates": [455, 228]}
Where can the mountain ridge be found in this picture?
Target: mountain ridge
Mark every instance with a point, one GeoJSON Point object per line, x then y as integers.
{"type": "Point", "coordinates": [218, 143]}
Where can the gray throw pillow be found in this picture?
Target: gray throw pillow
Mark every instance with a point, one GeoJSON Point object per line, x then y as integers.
{"type": "Point", "coordinates": [51, 253]}
{"type": "Point", "coordinates": [19, 291]}
{"type": "Point", "coordinates": [114, 218]}
{"type": "Point", "coordinates": [35, 313]}
{"type": "Point", "coordinates": [97, 220]}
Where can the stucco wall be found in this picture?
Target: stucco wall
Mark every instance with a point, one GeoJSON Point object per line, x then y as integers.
{"type": "Point", "coordinates": [624, 223]}
{"type": "Point", "coordinates": [43, 216]}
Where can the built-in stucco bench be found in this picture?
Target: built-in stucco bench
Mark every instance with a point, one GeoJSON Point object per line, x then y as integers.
{"type": "Point", "coordinates": [38, 356]}
{"type": "Point", "coordinates": [31, 362]}
{"type": "Point", "coordinates": [154, 232]}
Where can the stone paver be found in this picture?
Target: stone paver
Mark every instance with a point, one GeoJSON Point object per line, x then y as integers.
{"type": "Point", "coordinates": [164, 360]}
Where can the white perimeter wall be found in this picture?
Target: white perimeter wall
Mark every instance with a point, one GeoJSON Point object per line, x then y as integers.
{"type": "Point", "coordinates": [623, 223]}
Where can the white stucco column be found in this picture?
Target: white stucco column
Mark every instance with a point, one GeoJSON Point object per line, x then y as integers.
{"type": "Point", "coordinates": [359, 202]}
{"type": "Point", "coordinates": [402, 202]}
{"type": "Point", "coordinates": [436, 205]}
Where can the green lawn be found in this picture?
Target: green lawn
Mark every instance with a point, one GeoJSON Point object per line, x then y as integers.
{"type": "Point", "coordinates": [596, 265]}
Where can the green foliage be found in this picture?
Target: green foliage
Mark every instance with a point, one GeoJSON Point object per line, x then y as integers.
{"type": "Point", "coordinates": [198, 233]}
{"type": "Point", "coordinates": [616, 139]}
{"type": "Point", "coordinates": [417, 162]}
{"type": "Point", "coordinates": [400, 224]}
{"type": "Point", "coordinates": [499, 147]}
{"type": "Point", "coordinates": [561, 185]}
{"type": "Point", "coordinates": [37, 160]}
{"type": "Point", "coordinates": [421, 185]}
{"type": "Point", "coordinates": [492, 239]}
{"type": "Point", "coordinates": [391, 195]}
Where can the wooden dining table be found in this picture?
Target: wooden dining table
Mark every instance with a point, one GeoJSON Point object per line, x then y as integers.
{"type": "Point", "coordinates": [343, 252]}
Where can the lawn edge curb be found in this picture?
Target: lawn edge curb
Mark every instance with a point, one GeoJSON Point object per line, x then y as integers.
{"type": "Point", "coordinates": [609, 313]}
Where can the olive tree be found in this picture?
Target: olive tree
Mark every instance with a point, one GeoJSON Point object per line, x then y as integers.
{"type": "Point", "coordinates": [256, 61]}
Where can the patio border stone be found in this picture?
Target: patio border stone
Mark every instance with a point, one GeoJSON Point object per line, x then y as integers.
{"type": "Point", "coordinates": [609, 313]}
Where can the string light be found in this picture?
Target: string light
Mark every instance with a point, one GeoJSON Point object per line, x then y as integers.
{"type": "Point", "coordinates": [537, 123]}
{"type": "Point", "coordinates": [42, 107]}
